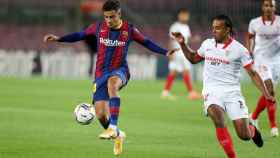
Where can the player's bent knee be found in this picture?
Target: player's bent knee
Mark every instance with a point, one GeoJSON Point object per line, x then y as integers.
{"type": "Point", "coordinates": [113, 90]}
{"type": "Point", "coordinates": [114, 84]}
{"type": "Point", "coordinates": [173, 72]}
{"type": "Point", "coordinates": [113, 87]}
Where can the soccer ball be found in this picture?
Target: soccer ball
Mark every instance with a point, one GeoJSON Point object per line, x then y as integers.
{"type": "Point", "coordinates": [84, 113]}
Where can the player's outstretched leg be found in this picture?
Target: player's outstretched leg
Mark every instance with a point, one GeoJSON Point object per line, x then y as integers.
{"type": "Point", "coordinates": [114, 83]}
{"type": "Point", "coordinates": [217, 115]}
{"type": "Point", "coordinates": [112, 131]}
{"type": "Point", "coordinates": [102, 113]}
{"type": "Point", "coordinates": [246, 131]}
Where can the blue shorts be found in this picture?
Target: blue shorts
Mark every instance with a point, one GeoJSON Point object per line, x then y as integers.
{"type": "Point", "coordinates": [100, 91]}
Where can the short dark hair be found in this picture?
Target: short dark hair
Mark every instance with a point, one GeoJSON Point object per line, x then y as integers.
{"type": "Point", "coordinates": [182, 10]}
{"type": "Point", "coordinates": [267, 0]}
{"type": "Point", "coordinates": [110, 5]}
{"type": "Point", "coordinates": [227, 20]}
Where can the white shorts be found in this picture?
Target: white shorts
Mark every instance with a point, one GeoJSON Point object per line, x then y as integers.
{"type": "Point", "coordinates": [232, 102]}
{"type": "Point", "coordinates": [179, 63]}
{"type": "Point", "coordinates": [268, 71]}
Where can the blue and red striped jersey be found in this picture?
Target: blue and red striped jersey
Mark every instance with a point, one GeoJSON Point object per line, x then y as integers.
{"type": "Point", "coordinates": [112, 45]}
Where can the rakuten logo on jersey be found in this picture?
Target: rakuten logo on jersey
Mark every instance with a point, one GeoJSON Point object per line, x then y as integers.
{"type": "Point", "coordinates": [216, 61]}
{"type": "Point", "coordinates": [111, 43]}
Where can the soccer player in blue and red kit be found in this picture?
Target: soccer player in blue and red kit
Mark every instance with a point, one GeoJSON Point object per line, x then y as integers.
{"type": "Point", "coordinates": [112, 73]}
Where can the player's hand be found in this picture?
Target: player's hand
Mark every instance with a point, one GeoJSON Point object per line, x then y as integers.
{"type": "Point", "coordinates": [171, 52]}
{"type": "Point", "coordinates": [50, 38]}
{"type": "Point", "coordinates": [178, 37]}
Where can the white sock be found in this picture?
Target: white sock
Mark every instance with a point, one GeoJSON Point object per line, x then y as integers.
{"type": "Point", "coordinates": [114, 127]}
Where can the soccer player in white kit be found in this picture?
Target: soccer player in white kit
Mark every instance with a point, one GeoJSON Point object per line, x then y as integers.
{"type": "Point", "coordinates": [177, 62]}
{"type": "Point", "coordinates": [224, 57]}
{"type": "Point", "coordinates": [264, 44]}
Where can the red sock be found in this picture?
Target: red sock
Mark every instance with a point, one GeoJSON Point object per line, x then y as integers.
{"type": "Point", "coordinates": [225, 141]}
{"type": "Point", "coordinates": [169, 81]}
{"type": "Point", "coordinates": [271, 110]}
{"type": "Point", "coordinates": [187, 81]}
{"type": "Point", "coordinates": [260, 107]}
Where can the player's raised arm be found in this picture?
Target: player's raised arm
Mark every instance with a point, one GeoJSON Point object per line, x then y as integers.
{"type": "Point", "coordinates": [72, 37]}
{"type": "Point", "coordinates": [190, 54]}
{"type": "Point", "coordinates": [149, 44]}
{"type": "Point", "coordinates": [250, 42]}
{"type": "Point", "coordinates": [250, 39]}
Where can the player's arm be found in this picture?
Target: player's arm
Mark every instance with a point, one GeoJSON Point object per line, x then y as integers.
{"type": "Point", "coordinates": [250, 39]}
{"type": "Point", "coordinates": [258, 81]}
{"type": "Point", "coordinates": [250, 43]}
{"type": "Point", "coordinates": [73, 37]}
{"type": "Point", "coordinates": [70, 38]}
{"type": "Point", "coordinates": [190, 54]}
{"type": "Point", "coordinates": [149, 44]}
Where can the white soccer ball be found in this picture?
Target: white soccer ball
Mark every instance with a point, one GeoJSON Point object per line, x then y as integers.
{"type": "Point", "coordinates": [84, 113]}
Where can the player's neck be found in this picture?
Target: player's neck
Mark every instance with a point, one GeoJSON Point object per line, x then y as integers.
{"type": "Point", "coordinates": [183, 22]}
{"type": "Point", "coordinates": [119, 25]}
{"type": "Point", "coordinates": [225, 40]}
{"type": "Point", "coordinates": [268, 17]}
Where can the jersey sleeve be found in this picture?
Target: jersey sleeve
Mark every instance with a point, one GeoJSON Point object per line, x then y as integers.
{"type": "Point", "coordinates": [245, 57]}
{"type": "Point", "coordinates": [73, 37]}
{"type": "Point", "coordinates": [137, 35]}
{"type": "Point", "coordinates": [251, 29]}
{"type": "Point", "coordinates": [91, 30]}
{"type": "Point", "coordinates": [201, 50]}
{"type": "Point", "coordinates": [78, 36]}
{"type": "Point", "coordinates": [146, 42]}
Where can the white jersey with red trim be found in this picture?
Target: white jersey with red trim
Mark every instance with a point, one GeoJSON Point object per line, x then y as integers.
{"type": "Point", "coordinates": [223, 62]}
{"type": "Point", "coordinates": [179, 62]}
{"type": "Point", "coordinates": [185, 31]}
{"type": "Point", "coordinates": [267, 38]}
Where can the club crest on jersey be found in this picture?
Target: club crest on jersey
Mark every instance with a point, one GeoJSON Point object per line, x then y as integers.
{"type": "Point", "coordinates": [111, 43]}
{"type": "Point", "coordinates": [125, 33]}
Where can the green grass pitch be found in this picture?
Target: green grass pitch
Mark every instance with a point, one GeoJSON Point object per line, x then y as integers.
{"type": "Point", "coordinates": [36, 121]}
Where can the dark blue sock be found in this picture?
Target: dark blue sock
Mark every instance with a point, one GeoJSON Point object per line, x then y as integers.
{"type": "Point", "coordinates": [114, 104]}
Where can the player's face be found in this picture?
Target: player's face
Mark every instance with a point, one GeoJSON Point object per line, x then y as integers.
{"type": "Point", "coordinates": [269, 7]}
{"type": "Point", "coordinates": [220, 31]}
{"type": "Point", "coordinates": [183, 17]}
{"type": "Point", "coordinates": [112, 18]}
